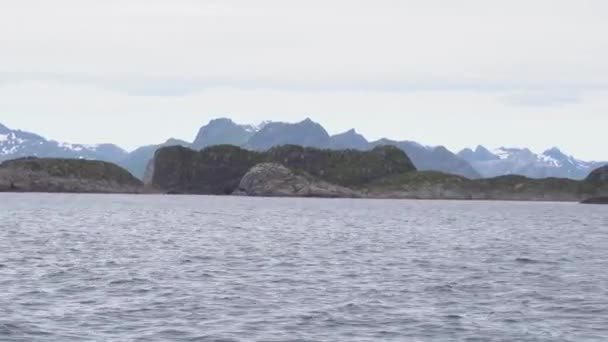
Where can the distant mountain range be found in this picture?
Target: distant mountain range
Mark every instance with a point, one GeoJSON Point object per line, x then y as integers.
{"type": "Point", "coordinates": [521, 161]}
{"type": "Point", "coordinates": [478, 163]}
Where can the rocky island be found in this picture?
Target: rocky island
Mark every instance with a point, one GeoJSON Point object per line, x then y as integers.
{"type": "Point", "coordinates": [290, 171]}
{"type": "Point", "coordinates": [383, 172]}
{"type": "Point", "coordinates": [66, 175]}
{"type": "Point", "coordinates": [222, 169]}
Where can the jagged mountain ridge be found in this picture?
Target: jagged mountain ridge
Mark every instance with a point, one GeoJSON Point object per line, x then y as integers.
{"type": "Point", "coordinates": [522, 161]}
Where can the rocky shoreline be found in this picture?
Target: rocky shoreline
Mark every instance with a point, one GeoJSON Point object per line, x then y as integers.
{"type": "Point", "coordinates": [290, 171]}
{"type": "Point", "coordinates": [385, 172]}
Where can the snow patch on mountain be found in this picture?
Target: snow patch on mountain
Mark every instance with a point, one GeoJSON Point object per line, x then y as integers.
{"type": "Point", "coordinates": [549, 160]}
{"type": "Point", "coordinates": [256, 128]}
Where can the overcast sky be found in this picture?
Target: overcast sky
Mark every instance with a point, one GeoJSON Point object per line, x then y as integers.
{"type": "Point", "coordinates": [457, 73]}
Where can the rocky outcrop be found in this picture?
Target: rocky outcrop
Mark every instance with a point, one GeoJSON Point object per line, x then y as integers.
{"type": "Point", "coordinates": [599, 175]}
{"type": "Point", "coordinates": [275, 180]}
{"type": "Point", "coordinates": [66, 175]}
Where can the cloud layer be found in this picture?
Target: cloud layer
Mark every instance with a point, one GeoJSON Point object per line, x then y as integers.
{"type": "Point", "coordinates": [516, 72]}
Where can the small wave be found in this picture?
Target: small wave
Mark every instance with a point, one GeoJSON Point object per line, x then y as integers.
{"type": "Point", "coordinates": [533, 261]}
{"type": "Point", "coordinates": [127, 281]}
{"type": "Point", "coordinates": [440, 288]}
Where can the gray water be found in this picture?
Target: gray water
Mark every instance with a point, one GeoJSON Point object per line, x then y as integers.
{"type": "Point", "coordinates": [195, 268]}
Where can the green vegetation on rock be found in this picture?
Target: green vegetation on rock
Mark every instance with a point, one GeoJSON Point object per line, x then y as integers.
{"type": "Point", "coordinates": [344, 167]}
{"type": "Point", "coordinates": [219, 169]}
{"type": "Point", "coordinates": [66, 175]}
{"type": "Point", "coordinates": [384, 172]}
{"type": "Point", "coordinates": [214, 170]}
{"type": "Point", "coordinates": [436, 185]}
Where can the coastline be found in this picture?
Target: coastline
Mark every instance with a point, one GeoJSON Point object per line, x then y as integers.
{"type": "Point", "coordinates": [289, 172]}
{"type": "Point", "coordinates": [422, 199]}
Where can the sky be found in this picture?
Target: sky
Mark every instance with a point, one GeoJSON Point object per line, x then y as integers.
{"type": "Point", "coordinates": [456, 73]}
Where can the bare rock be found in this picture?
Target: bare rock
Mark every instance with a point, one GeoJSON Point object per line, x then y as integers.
{"type": "Point", "coordinates": [275, 180]}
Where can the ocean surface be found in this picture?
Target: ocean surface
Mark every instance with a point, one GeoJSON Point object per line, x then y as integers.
{"type": "Point", "coordinates": [197, 268]}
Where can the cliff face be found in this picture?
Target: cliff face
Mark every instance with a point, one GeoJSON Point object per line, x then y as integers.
{"type": "Point", "coordinates": [213, 170]}
{"type": "Point", "coordinates": [66, 175]}
{"type": "Point", "coordinates": [219, 169]}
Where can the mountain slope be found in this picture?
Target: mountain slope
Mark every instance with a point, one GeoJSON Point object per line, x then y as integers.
{"type": "Point", "coordinates": [350, 139]}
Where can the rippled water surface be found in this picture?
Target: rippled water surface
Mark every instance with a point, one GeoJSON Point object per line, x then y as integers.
{"type": "Point", "coordinates": [170, 268]}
